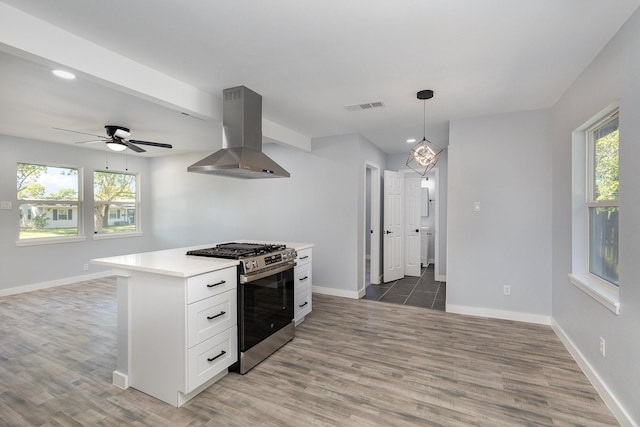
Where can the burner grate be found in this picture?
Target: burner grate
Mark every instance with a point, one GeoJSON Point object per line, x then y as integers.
{"type": "Point", "coordinates": [237, 250]}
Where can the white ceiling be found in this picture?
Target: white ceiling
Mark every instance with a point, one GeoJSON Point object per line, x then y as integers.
{"type": "Point", "coordinates": [308, 59]}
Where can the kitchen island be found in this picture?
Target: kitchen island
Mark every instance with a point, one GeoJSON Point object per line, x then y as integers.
{"type": "Point", "coordinates": [177, 320]}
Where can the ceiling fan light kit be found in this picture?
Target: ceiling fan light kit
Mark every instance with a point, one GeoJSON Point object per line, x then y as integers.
{"type": "Point", "coordinates": [116, 146]}
{"type": "Point", "coordinates": [424, 155]}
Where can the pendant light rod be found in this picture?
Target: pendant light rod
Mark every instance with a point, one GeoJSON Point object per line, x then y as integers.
{"type": "Point", "coordinates": [424, 95]}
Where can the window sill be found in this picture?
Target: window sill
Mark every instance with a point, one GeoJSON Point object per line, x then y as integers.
{"type": "Point", "coordinates": [116, 235]}
{"type": "Point", "coordinates": [49, 240]}
{"type": "Point", "coordinates": [598, 290]}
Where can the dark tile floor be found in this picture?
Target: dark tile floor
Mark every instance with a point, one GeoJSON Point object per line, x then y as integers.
{"type": "Point", "coordinates": [423, 291]}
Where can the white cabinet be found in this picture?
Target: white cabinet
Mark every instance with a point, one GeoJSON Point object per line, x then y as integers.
{"type": "Point", "coordinates": [183, 332]}
{"type": "Point", "coordinates": [302, 286]}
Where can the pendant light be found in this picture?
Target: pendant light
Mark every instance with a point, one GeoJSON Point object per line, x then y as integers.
{"type": "Point", "coordinates": [424, 155]}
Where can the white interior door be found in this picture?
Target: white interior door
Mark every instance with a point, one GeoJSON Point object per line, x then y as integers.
{"type": "Point", "coordinates": [412, 211]}
{"type": "Point", "coordinates": [393, 232]}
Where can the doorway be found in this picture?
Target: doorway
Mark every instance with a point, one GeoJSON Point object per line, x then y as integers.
{"type": "Point", "coordinates": [372, 209]}
{"type": "Point", "coordinates": [422, 289]}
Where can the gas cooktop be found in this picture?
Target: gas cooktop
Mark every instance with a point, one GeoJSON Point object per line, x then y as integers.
{"type": "Point", "coordinates": [237, 250]}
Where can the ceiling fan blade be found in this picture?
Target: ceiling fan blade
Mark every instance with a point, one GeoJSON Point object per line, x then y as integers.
{"type": "Point", "coordinates": [83, 133]}
{"type": "Point", "coordinates": [153, 144]}
{"type": "Point", "coordinates": [134, 147]}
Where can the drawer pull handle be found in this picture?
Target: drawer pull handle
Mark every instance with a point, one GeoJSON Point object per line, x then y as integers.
{"type": "Point", "coordinates": [304, 257]}
{"type": "Point", "coordinates": [222, 313]}
{"type": "Point", "coordinates": [303, 278]}
{"type": "Point", "coordinates": [305, 303]}
{"type": "Point", "coordinates": [222, 282]}
{"type": "Point", "coordinates": [222, 353]}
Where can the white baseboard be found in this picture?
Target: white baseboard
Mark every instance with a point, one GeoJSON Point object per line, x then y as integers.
{"type": "Point", "coordinates": [499, 314]}
{"type": "Point", "coordinates": [441, 278]}
{"type": "Point", "coordinates": [605, 393]}
{"type": "Point", "coordinates": [120, 380]}
{"type": "Point", "coordinates": [54, 283]}
{"type": "Point", "coordinates": [336, 292]}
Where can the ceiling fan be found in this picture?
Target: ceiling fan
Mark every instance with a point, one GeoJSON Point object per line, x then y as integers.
{"type": "Point", "coordinates": [116, 139]}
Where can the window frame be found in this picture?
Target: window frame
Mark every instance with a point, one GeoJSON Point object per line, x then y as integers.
{"type": "Point", "coordinates": [591, 202]}
{"type": "Point", "coordinates": [55, 204]}
{"type": "Point", "coordinates": [119, 205]}
{"type": "Point", "coordinates": [583, 189]}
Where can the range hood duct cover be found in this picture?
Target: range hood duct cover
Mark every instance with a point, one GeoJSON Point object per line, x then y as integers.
{"type": "Point", "coordinates": [241, 155]}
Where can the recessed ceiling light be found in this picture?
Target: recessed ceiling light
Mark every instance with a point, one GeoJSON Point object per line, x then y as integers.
{"type": "Point", "coordinates": [63, 74]}
{"type": "Point", "coordinates": [411, 140]}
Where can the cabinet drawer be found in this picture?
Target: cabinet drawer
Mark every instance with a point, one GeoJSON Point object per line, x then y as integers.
{"type": "Point", "coordinates": [302, 305]}
{"type": "Point", "coordinates": [209, 284]}
{"type": "Point", "coordinates": [211, 357]}
{"type": "Point", "coordinates": [302, 277]}
{"type": "Point", "coordinates": [210, 316]}
{"type": "Point", "coordinates": [304, 256]}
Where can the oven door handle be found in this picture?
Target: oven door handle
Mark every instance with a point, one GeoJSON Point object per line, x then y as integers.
{"type": "Point", "coordinates": [251, 277]}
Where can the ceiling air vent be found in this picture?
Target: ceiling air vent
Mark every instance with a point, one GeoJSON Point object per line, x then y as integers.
{"type": "Point", "coordinates": [365, 106]}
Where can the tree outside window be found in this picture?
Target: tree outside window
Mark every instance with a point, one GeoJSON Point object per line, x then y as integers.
{"type": "Point", "coordinates": [115, 202]}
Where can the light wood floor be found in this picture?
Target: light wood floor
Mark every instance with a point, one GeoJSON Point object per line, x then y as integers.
{"type": "Point", "coordinates": [352, 363]}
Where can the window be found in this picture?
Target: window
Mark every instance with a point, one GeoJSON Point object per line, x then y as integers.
{"type": "Point", "coordinates": [595, 208]}
{"type": "Point", "coordinates": [602, 198]}
{"type": "Point", "coordinates": [62, 214]}
{"type": "Point", "coordinates": [49, 200]}
{"type": "Point", "coordinates": [115, 203]}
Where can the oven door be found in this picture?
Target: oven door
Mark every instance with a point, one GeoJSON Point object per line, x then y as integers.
{"type": "Point", "coordinates": [266, 306]}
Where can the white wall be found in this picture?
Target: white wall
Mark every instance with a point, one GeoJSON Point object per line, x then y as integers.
{"type": "Point", "coordinates": [367, 152]}
{"type": "Point", "coordinates": [44, 264]}
{"type": "Point", "coordinates": [613, 75]}
{"type": "Point", "coordinates": [502, 162]}
{"type": "Point", "coordinates": [320, 203]}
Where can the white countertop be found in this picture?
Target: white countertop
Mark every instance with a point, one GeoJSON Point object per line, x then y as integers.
{"type": "Point", "coordinates": [175, 262]}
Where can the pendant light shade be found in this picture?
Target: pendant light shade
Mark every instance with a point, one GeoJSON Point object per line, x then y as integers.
{"type": "Point", "coordinates": [424, 155]}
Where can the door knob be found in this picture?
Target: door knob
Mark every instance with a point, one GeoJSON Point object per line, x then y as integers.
{"type": "Point", "coordinates": [417, 231]}
{"type": "Point", "coordinates": [388, 232]}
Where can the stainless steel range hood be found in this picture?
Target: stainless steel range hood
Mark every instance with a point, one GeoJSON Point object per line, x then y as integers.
{"type": "Point", "coordinates": [241, 155]}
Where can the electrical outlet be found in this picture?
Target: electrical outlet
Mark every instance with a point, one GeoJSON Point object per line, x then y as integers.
{"type": "Point", "coordinates": [507, 290]}
{"type": "Point", "coordinates": [85, 267]}
{"type": "Point", "coordinates": [602, 347]}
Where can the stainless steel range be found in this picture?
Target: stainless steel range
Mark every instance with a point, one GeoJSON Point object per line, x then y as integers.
{"type": "Point", "coordinates": [265, 297]}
